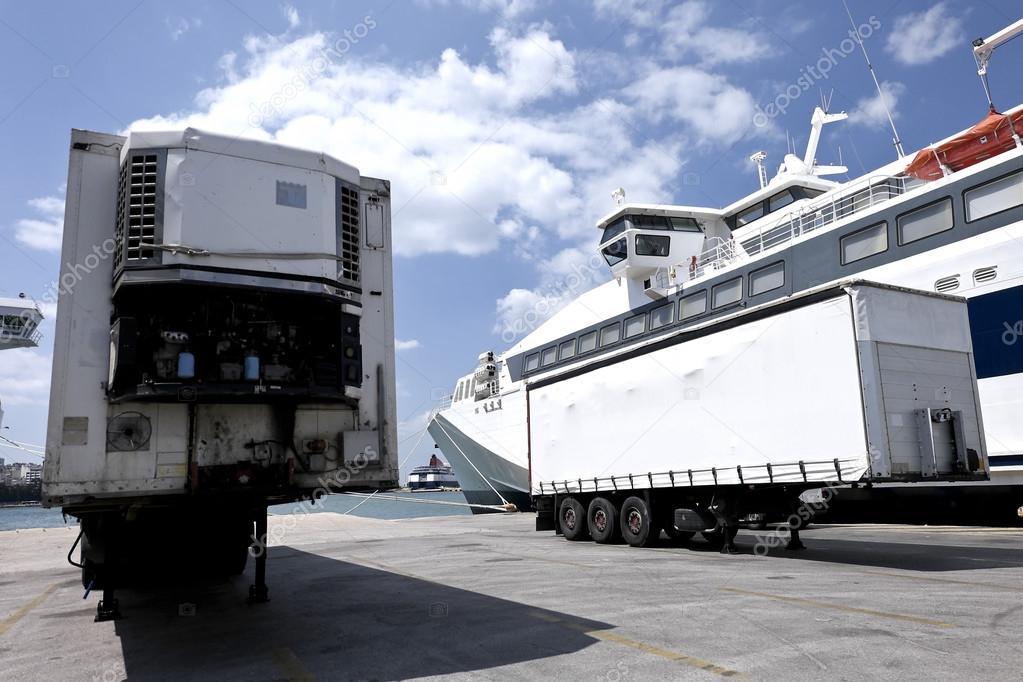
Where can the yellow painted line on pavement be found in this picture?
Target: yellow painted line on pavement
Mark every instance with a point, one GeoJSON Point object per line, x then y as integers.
{"type": "Point", "coordinates": [289, 664]}
{"type": "Point", "coordinates": [607, 636]}
{"type": "Point", "coordinates": [841, 607]}
{"type": "Point", "coordinates": [12, 620]}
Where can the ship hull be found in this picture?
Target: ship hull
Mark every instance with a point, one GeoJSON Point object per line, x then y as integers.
{"type": "Point", "coordinates": [485, 477]}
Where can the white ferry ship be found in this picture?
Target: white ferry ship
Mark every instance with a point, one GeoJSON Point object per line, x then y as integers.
{"type": "Point", "coordinates": [19, 326]}
{"type": "Point", "coordinates": [948, 218]}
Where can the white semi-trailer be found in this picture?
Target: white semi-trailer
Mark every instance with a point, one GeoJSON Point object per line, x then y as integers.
{"type": "Point", "coordinates": [857, 383]}
{"type": "Point", "coordinates": [224, 341]}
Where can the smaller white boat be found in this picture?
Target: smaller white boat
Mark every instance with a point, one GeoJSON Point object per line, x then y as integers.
{"type": "Point", "coordinates": [434, 476]}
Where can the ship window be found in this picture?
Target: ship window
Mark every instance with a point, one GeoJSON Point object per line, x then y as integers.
{"type": "Point", "coordinates": [926, 221]}
{"type": "Point", "coordinates": [652, 245]}
{"type": "Point", "coordinates": [749, 215]}
{"type": "Point", "coordinates": [458, 393]}
{"type": "Point", "coordinates": [685, 224]}
{"type": "Point", "coordinates": [613, 230]}
{"type": "Point", "coordinates": [780, 200]}
{"type": "Point", "coordinates": [767, 279]}
{"type": "Point", "coordinates": [587, 342]}
{"type": "Point", "coordinates": [610, 334]}
{"type": "Point", "coordinates": [661, 317]}
{"type": "Point", "coordinates": [693, 305]}
{"type": "Point", "coordinates": [634, 326]}
{"type": "Point", "coordinates": [566, 349]}
{"type": "Point", "coordinates": [550, 355]}
{"type": "Point", "coordinates": [532, 362]}
{"type": "Point", "coordinates": [864, 243]}
{"type": "Point", "coordinates": [994, 197]}
{"type": "Point", "coordinates": [649, 222]}
{"type": "Point", "coordinates": [726, 293]}
{"type": "Point", "coordinates": [615, 252]}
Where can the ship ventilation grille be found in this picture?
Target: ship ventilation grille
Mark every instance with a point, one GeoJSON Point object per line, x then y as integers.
{"type": "Point", "coordinates": [137, 208]}
{"type": "Point", "coordinates": [348, 232]}
{"type": "Point", "coordinates": [981, 275]}
{"type": "Point", "coordinates": [950, 283]}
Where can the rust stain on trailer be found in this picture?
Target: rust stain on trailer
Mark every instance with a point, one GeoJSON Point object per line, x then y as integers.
{"type": "Point", "coordinates": [12, 620]}
{"type": "Point", "coordinates": [676, 656]}
{"type": "Point", "coordinates": [841, 607]}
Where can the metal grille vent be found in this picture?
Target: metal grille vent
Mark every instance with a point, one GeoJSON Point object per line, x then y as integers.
{"type": "Point", "coordinates": [945, 284]}
{"type": "Point", "coordinates": [981, 275]}
{"type": "Point", "coordinates": [348, 232]}
{"type": "Point", "coordinates": [137, 208]}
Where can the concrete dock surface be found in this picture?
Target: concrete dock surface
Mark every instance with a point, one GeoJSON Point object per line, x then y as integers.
{"type": "Point", "coordinates": [487, 597]}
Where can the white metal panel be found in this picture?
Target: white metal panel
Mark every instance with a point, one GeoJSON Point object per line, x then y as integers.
{"type": "Point", "coordinates": [228, 204]}
{"type": "Point", "coordinates": [914, 378]}
{"type": "Point", "coordinates": [778, 390]}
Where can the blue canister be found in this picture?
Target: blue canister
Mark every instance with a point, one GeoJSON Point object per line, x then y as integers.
{"type": "Point", "coordinates": [251, 368]}
{"type": "Point", "coordinates": [186, 365]}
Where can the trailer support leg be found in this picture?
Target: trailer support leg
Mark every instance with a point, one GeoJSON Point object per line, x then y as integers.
{"type": "Point", "coordinates": [794, 541]}
{"type": "Point", "coordinates": [258, 593]}
{"type": "Point", "coordinates": [108, 607]}
{"type": "Point", "coordinates": [729, 533]}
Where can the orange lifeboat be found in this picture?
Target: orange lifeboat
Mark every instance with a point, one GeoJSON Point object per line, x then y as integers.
{"type": "Point", "coordinates": [990, 137]}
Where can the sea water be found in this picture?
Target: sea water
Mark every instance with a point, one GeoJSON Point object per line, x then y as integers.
{"type": "Point", "coordinates": [382, 506]}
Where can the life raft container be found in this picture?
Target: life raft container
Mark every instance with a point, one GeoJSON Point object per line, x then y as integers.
{"type": "Point", "coordinates": [990, 137]}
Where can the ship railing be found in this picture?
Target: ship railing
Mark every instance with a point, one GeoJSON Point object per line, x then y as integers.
{"type": "Point", "coordinates": [861, 196]}
{"type": "Point", "coordinates": [20, 332]}
{"type": "Point", "coordinates": [718, 253]}
{"type": "Point", "coordinates": [439, 406]}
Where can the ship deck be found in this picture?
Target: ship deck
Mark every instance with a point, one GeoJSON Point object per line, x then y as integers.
{"type": "Point", "coordinates": [487, 597]}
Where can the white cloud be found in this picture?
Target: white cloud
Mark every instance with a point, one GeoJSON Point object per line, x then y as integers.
{"type": "Point", "coordinates": [509, 9]}
{"type": "Point", "coordinates": [870, 111]}
{"type": "Point", "coordinates": [708, 103]}
{"type": "Point", "coordinates": [505, 153]}
{"type": "Point", "coordinates": [291, 14]}
{"type": "Point", "coordinates": [25, 377]}
{"type": "Point", "coordinates": [922, 37]}
{"type": "Point", "coordinates": [179, 26]}
{"type": "Point", "coordinates": [685, 32]}
{"type": "Point", "coordinates": [411, 344]}
{"type": "Point", "coordinates": [45, 231]}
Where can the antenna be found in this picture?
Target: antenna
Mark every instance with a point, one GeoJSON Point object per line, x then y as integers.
{"type": "Point", "coordinates": [880, 93]}
{"type": "Point", "coordinates": [618, 196]}
{"type": "Point", "coordinates": [758, 158]}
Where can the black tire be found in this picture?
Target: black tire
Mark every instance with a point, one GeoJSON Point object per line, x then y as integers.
{"type": "Point", "coordinates": [572, 517]}
{"type": "Point", "coordinates": [639, 528]}
{"type": "Point", "coordinates": [602, 521]}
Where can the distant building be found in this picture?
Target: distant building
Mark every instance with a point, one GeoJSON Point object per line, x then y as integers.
{"type": "Point", "coordinates": [17, 472]}
{"type": "Point", "coordinates": [34, 474]}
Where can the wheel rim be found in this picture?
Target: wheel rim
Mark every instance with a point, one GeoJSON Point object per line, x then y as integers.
{"type": "Point", "coordinates": [569, 518]}
{"type": "Point", "coordinates": [634, 520]}
{"type": "Point", "coordinates": [600, 520]}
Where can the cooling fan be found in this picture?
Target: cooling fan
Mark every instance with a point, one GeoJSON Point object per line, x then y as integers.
{"type": "Point", "coordinates": [129, 432]}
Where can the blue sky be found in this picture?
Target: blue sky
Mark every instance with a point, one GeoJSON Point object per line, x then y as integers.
{"type": "Point", "coordinates": [504, 126]}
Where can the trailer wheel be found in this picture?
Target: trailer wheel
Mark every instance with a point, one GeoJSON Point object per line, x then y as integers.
{"type": "Point", "coordinates": [573, 519]}
{"type": "Point", "coordinates": [638, 526]}
{"type": "Point", "coordinates": [602, 520]}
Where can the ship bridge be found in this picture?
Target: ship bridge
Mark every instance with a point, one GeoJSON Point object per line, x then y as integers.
{"type": "Point", "coordinates": [19, 323]}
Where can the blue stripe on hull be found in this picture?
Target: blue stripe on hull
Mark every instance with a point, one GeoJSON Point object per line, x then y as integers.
{"type": "Point", "coordinates": [997, 340]}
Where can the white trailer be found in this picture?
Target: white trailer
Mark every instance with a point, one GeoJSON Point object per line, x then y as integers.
{"type": "Point", "coordinates": [856, 383]}
{"type": "Point", "coordinates": [224, 341]}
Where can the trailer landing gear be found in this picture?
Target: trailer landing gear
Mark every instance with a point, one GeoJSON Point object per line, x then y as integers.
{"type": "Point", "coordinates": [258, 593]}
{"type": "Point", "coordinates": [794, 542]}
